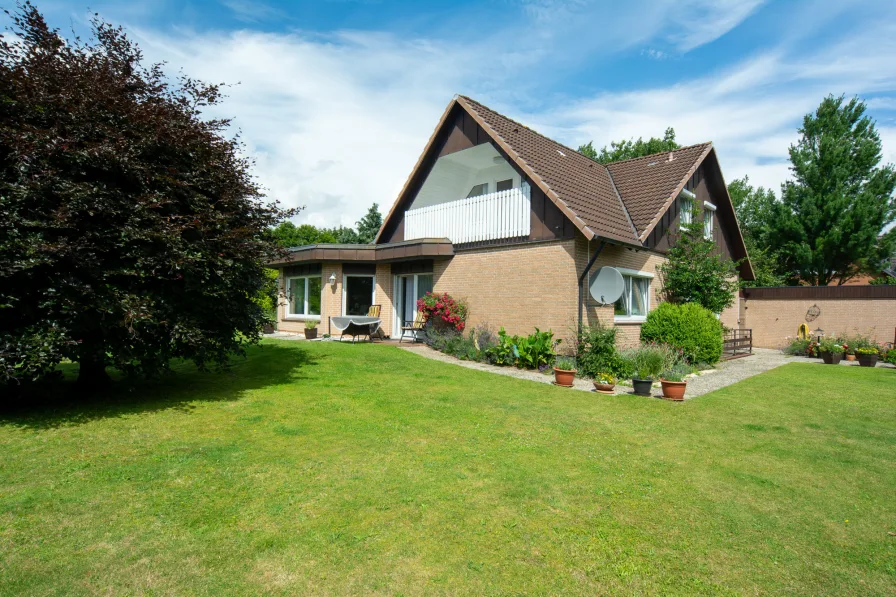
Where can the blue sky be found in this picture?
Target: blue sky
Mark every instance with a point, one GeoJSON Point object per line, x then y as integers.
{"type": "Point", "coordinates": [337, 98]}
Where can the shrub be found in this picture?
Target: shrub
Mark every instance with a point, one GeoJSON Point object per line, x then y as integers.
{"type": "Point", "coordinates": [889, 356]}
{"type": "Point", "coordinates": [831, 345]}
{"type": "Point", "coordinates": [596, 352]}
{"type": "Point", "coordinates": [798, 347]}
{"type": "Point", "coordinates": [690, 328]}
{"type": "Point", "coordinates": [443, 311]}
{"type": "Point", "coordinates": [528, 352]}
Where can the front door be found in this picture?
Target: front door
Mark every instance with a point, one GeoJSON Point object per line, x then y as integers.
{"type": "Point", "coordinates": [408, 289]}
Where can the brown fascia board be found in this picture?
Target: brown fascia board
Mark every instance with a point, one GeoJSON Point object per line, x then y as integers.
{"type": "Point", "coordinates": [548, 191]}
{"type": "Point", "coordinates": [385, 253]}
{"type": "Point", "coordinates": [407, 182]}
{"type": "Point", "coordinates": [675, 193]}
{"type": "Point", "coordinates": [740, 235]}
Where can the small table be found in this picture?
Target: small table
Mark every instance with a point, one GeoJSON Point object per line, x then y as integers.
{"type": "Point", "coordinates": [356, 325]}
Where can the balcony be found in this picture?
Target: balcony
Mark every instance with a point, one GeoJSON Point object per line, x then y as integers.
{"type": "Point", "coordinates": [503, 214]}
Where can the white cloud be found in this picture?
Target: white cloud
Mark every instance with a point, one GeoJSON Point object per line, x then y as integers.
{"type": "Point", "coordinates": [337, 121]}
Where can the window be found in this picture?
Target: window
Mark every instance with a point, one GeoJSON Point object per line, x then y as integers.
{"type": "Point", "coordinates": [687, 210]}
{"type": "Point", "coordinates": [480, 189]}
{"type": "Point", "coordinates": [358, 294]}
{"type": "Point", "coordinates": [634, 303]}
{"type": "Point", "coordinates": [708, 213]}
{"type": "Point", "coordinates": [304, 296]}
{"type": "Point", "coordinates": [504, 185]}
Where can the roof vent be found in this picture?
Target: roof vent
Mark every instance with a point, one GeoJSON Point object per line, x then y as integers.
{"type": "Point", "coordinates": [516, 130]}
{"type": "Point", "coordinates": [671, 156]}
{"type": "Point", "coordinates": [561, 153]}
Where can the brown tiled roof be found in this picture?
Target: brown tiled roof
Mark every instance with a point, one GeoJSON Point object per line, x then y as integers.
{"type": "Point", "coordinates": [648, 184]}
{"type": "Point", "coordinates": [580, 183]}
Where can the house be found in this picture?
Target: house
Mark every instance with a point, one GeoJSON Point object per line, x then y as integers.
{"type": "Point", "coordinates": [514, 223]}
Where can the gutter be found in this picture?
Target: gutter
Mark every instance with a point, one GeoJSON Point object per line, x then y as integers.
{"type": "Point", "coordinates": [583, 277]}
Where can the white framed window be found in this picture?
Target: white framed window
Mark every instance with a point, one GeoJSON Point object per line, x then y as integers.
{"type": "Point", "coordinates": [358, 293]}
{"type": "Point", "coordinates": [686, 207]}
{"type": "Point", "coordinates": [303, 294]}
{"type": "Point", "coordinates": [634, 304]}
{"type": "Point", "coordinates": [708, 216]}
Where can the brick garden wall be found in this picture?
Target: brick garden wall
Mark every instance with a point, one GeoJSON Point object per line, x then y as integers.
{"type": "Point", "coordinates": [776, 314]}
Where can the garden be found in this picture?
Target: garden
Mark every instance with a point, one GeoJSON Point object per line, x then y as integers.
{"type": "Point", "coordinates": [677, 340]}
{"type": "Point", "coordinates": [833, 349]}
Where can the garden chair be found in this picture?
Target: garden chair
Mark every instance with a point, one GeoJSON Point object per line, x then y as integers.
{"type": "Point", "coordinates": [374, 311]}
{"type": "Point", "coordinates": [413, 328]}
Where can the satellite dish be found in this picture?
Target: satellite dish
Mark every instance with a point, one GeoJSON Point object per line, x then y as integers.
{"type": "Point", "coordinates": [606, 285]}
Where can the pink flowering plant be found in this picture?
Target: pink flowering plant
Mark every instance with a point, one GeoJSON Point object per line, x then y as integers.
{"type": "Point", "coordinates": [443, 310]}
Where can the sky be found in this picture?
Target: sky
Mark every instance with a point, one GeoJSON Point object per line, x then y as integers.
{"type": "Point", "coordinates": [335, 99]}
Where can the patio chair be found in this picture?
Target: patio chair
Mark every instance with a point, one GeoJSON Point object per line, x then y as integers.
{"type": "Point", "coordinates": [374, 311]}
{"type": "Point", "coordinates": [413, 328]}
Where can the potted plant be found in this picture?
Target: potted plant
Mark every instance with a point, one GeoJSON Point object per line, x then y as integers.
{"type": "Point", "coordinates": [564, 371]}
{"type": "Point", "coordinates": [674, 383]}
{"type": "Point", "coordinates": [849, 352]}
{"type": "Point", "coordinates": [646, 362]}
{"type": "Point", "coordinates": [831, 352]}
{"type": "Point", "coordinates": [604, 383]}
{"type": "Point", "coordinates": [868, 356]}
{"type": "Point", "coordinates": [310, 329]}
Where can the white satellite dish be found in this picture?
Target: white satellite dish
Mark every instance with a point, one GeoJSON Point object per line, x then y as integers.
{"type": "Point", "coordinates": [606, 285]}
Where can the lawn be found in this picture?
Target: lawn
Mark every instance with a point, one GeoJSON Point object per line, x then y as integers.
{"type": "Point", "coordinates": [324, 468]}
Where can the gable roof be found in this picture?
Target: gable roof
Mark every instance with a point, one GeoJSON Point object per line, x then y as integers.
{"type": "Point", "coordinates": [649, 184]}
{"type": "Point", "coordinates": [622, 201]}
{"type": "Point", "coordinates": [569, 178]}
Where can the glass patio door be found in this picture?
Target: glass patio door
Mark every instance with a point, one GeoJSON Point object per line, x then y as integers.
{"type": "Point", "coordinates": [409, 288]}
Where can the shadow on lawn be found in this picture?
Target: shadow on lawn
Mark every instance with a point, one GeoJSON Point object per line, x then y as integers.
{"type": "Point", "coordinates": [57, 404]}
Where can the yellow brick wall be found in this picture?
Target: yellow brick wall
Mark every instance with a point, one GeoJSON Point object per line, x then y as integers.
{"type": "Point", "coordinates": [616, 256]}
{"type": "Point", "coordinates": [331, 300]}
{"type": "Point", "coordinates": [774, 320]}
{"type": "Point", "coordinates": [520, 287]}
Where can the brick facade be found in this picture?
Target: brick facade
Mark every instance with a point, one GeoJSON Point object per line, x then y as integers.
{"type": "Point", "coordinates": [773, 320]}
{"type": "Point", "coordinates": [520, 287]}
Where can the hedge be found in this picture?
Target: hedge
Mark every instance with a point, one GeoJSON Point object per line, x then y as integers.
{"type": "Point", "coordinates": [689, 327]}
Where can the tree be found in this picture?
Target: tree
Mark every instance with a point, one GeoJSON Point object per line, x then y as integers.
{"type": "Point", "coordinates": [370, 224]}
{"type": "Point", "coordinates": [131, 230]}
{"type": "Point", "coordinates": [288, 235]}
{"type": "Point", "coordinates": [696, 273]}
{"type": "Point", "coordinates": [629, 148]}
{"type": "Point", "coordinates": [756, 208]}
{"type": "Point", "coordinates": [829, 223]}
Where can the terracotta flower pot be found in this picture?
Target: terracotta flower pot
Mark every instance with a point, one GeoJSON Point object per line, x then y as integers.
{"type": "Point", "coordinates": [850, 357]}
{"type": "Point", "coordinates": [310, 334]}
{"type": "Point", "coordinates": [605, 388]}
{"type": "Point", "coordinates": [868, 360]}
{"type": "Point", "coordinates": [674, 390]}
{"type": "Point", "coordinates": [268, 328]}
{"type": "Point", "coordinates": [642, 386]}
{"type": "Point", "coordinates": [831, 358]}
{"type": "Point", "coordinates": [564, 377]}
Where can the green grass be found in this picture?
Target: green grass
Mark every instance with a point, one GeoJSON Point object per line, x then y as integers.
{"type": "Point", "coordinates": [323, 468]}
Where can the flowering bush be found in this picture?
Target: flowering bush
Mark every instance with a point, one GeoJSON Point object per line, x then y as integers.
{"type": "Point", "coordinates": [867, 350]}
{"type": "Point", "coordinates": [443, 311]}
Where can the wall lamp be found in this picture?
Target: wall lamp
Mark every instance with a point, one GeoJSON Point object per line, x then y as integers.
{"type": "Point", "coordinates": [332, 279]}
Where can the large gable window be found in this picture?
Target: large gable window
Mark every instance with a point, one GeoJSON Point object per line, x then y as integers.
{"type": "Point", "coordinates": [480, 189]}
{"type": "Point", "coordinates": [304, 294]}
{"type": "Point", "coordinates": [634, 303]}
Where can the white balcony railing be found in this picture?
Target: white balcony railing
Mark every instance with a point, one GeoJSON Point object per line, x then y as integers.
{"type": "Point", "coordinates": [504, 214]}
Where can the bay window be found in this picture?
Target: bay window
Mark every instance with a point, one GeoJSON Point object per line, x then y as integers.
{"type": "Point", "coordinates": [634, 303]}
{"type": "Point", "coordinates": [303, 294]}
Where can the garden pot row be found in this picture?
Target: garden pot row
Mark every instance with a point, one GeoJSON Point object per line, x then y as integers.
{"type": "Point", "coordinates": [672, 390]}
